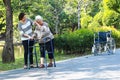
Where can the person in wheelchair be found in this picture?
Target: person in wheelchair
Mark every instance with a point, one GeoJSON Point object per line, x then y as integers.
{"type": "Point", "coordinates": [44, 36]}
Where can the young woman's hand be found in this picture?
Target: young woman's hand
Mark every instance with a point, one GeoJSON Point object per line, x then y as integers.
{"type": "Point", "coordinates": [31, 38]}
{"type": "Point", "coordinates": [35, 23]}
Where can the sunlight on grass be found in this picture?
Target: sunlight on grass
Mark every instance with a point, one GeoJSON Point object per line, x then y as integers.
{"type": "Point", "coordinates": [8, 66]}
{"type": "Point", "coordinates": [19, 58]}
{"type": "Point", "coordinates": [18, 51]}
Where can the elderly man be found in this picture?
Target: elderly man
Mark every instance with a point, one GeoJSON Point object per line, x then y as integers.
{"type": "Point", "coordinates": [42, 31]}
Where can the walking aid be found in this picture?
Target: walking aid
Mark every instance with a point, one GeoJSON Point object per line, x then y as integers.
{"type": "Point", "coordinates": [52, 51]}
{"type": "Point", "coordinates": [34, 52]}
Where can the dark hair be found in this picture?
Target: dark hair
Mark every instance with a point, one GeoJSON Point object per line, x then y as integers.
{"type": "Point", "coordinates": [21, 15]}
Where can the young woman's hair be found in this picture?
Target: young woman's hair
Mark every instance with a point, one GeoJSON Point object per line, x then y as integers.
{"type": "Point", "coordinates": [21, 15]}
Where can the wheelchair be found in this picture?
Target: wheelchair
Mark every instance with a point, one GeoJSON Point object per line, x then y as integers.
{"type": "Point", "coordinates": [103, 42]}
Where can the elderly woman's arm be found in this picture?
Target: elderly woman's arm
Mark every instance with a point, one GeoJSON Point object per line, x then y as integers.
{"type": "Point", "coordinates": [46, 31]}
{"type": "Point", "coordinates": [38, 27]}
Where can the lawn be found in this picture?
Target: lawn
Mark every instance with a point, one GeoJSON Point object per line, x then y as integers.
{"type": "Point", "coordinates": [18, 50]}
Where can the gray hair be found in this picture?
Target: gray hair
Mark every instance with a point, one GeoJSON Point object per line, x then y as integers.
{"type": "Point", "coordinates": [38, 17]}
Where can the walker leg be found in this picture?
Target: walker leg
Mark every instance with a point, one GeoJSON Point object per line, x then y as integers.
{"type": "Point", "coordinates": [28, 61]}
{"type": "Point", "coordinates": [45, 60]}
{"type": "Point", "coordinates": [54, 62]}
{"type": "Point", "coordinates": [36, 58]}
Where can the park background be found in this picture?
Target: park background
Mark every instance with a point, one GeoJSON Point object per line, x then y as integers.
{"type": "Point", "coordinates": [73, 23]}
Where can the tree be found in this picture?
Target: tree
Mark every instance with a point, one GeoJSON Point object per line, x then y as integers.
{"type": "Point", "coordinates": [2, 18]}
{"type": "Point", "coordinates": [111, 18]}
{"type": "Point", "coordinates": [113, 4]}
{"type": "Point", "coordinates": [73, 14]}
{"type": "Point", "coordinates": [57, 8]}
{"type": "Point", "coordinates": [8, 50]}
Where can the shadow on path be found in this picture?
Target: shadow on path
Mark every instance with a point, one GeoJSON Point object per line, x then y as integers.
{"type": "Point", "coordinates": [103, 67]}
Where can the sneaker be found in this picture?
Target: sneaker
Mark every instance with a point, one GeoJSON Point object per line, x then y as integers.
{"type": "Point", "coordinates": [32, 66]}
{"type": "Point", "coordinates": [50, 65]}
{"type": "Point", "coordinates": [42, 66]}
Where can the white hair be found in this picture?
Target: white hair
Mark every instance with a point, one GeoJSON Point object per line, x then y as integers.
{"type": "Point", "coordinates": [38, 17]}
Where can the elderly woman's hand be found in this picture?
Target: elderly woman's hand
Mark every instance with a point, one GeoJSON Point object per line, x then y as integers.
{"type": "Point", "coordinates": [38, 26]}
{"type": "Point", "coordinates": [35, 23]}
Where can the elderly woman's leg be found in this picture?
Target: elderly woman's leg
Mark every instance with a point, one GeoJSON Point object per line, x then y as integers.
{"type": "Point", "coordinates": [50, 49]}
{"type": "Point", "coordinates": [42, 51]}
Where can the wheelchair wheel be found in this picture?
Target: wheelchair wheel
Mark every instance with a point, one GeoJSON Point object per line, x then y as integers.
{"type": "Point", "coordinates": [96, 49]}
{"type": "Point", "coordinates": [111, 46]}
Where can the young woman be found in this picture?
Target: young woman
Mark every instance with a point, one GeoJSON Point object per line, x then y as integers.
{"type": "Point", "coordinates": [25, 29]}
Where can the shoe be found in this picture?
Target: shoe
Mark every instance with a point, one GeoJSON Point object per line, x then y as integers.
{"type": "Point", "coordinates": [32, 66]}
{"type": "Point", "coordinates": [50, 65]}
{"type": "Point", "coordinates": [42, 66]}
{"type": "Point", "coordinates": [25, 67]}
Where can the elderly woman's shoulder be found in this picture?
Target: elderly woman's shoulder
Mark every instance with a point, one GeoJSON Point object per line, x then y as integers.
{"type": "Point", "coordinates": [45, 23]}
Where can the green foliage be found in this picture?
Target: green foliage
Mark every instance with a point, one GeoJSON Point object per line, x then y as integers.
{"type": "Point", "coordinates": [9, 66]}
{"type": "Point", "coordinates": [113, 5]}
{"type": "Point", "coordinates": [65, 13]}
{"type": "Point", "coordinates": [94, 8]}
{"type": "Point", "coordinates": [71, 7]}
{"type": "Point", "coordinates": [81, 41]}
{"type": "Point", "coordinates": [85, 21]}
{"type": "Point", "coordinates": [2, 18]}
{"type": "Point", "coordinates": [93, 24]}
{"type": "Point", "coordinates": [75, 42]}
{"type": "Point", "coordinates": [98, 17]}
{"type": "Point", "coordinates": [111, 18]}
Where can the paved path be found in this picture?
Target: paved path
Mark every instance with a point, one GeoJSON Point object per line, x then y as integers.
{"type": "Point", "coordinates": [103, 67]}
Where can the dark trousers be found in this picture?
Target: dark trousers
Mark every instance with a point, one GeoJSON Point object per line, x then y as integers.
{"type": "Point", "coordinates": [49, 47]}
{"type": "Point", "coordinates": [26, 46]}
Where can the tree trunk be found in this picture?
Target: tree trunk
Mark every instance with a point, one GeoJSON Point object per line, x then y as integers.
{"type": "Point", "coordinates": [79, 13]}
{"type": "Point", "coordinates": [8, 50]}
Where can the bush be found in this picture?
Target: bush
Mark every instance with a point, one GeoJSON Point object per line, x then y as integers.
{"type": "Point", "coordinates": [81, 41]}
{"type": "Point", "coordinates": [75, 42]}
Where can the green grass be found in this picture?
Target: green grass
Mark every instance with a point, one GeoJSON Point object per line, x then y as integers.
{"type": "Point", "coordinates": [19, 60]}
{"type": "Point", "coordinates": [9, 66]}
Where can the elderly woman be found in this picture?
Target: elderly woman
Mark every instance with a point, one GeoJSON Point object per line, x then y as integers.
{"type": "Point", "coordinates": [42, 31]}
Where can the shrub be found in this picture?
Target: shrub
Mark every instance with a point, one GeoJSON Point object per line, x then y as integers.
{"type": "Point", "coordinates": [81, 41]}
{"type": "Point", "coordinates": [75, 42]}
